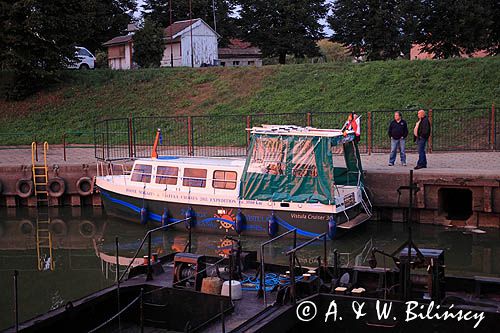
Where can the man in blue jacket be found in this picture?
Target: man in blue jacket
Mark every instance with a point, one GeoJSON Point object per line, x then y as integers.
{"type": "Point", "coordinates": [398, 131]}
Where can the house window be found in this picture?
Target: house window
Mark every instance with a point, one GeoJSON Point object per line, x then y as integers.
{"type": "Point", "coordinates": [223, 63]}
{"type": "Point", "coordinates": [194, 177]}
{"type": "Point", "coordinates": [224, 179]}
{"type": "Point", "coordinates": [166, 175]}
{"type": "Point", "coordinates": [251, 63]}
{"type": "Point", "coordinates": [236, 63]}
{"type": "Point", "coordinates": [116, 52]}
{"type": "Point", "coordinates": [142, 173]}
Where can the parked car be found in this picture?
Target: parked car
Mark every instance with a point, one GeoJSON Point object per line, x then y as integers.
{"type": "Point", "coordinates": [84, 59]}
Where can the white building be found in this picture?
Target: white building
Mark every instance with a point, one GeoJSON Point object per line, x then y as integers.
{"type": "Point", "coordinates": [120, 52]}
{"type": "Point", "coordinates": [190, 40]}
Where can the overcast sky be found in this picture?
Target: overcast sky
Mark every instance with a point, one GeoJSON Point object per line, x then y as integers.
{"type": "Point", "coordinates": [326, 29]}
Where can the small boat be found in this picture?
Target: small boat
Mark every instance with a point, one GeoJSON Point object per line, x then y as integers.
{"type": "Point", "coordinates": [287, 181]}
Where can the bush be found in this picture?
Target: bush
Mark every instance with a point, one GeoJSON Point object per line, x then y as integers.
{"type": "Point", "coordinates": [148, 45]}
{"type": "Point", "coordinates": [101, 59]}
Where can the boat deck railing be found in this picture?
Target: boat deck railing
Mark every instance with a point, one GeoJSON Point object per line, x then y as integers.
{"type": "Point", "coordinates": [292, 258]}
{"type": "Point", "coordinates": [148, 237]}
{"type": "Point", "coordinates": [262, 284]}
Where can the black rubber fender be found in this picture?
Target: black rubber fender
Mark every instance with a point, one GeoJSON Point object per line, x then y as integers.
{"type": "Point", "coordinates": [24, 188]}
{"type": "Point", "coordinates": [56, 187]}
{"type": "Point", "coordinates": [84, 186]}
{"type": "Point", "coordinates": [87, 229]}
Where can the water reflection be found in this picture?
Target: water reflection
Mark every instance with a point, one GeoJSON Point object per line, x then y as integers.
{"type": "Point", "coordinates": [83, 252]}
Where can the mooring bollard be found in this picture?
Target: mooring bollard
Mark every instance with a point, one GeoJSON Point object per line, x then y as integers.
{"type": "Point", "coordinates": [16, 309]}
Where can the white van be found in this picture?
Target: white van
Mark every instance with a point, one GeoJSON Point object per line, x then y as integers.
{"type": "Point", "coordinates": [84, 59]}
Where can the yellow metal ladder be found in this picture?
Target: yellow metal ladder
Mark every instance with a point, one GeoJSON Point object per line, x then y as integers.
{"type": "Point", "coordinates": [43, 234]}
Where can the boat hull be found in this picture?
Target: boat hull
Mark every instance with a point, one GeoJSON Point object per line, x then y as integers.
{"type": "Point", "coordinates": [221, 219]}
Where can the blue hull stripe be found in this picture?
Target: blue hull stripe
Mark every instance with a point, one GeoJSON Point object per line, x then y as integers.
{"type": "Point", "coordinates": [157, 217]}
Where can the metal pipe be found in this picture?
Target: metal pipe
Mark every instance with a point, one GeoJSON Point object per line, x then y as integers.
{"type": "Point", "coordinates": [144, 240]}
{"type": "Point", "coordinates": [141, 310]}
{"type": "Point", "coordinates": [16, 304]}
{"type": "Point", "coordinates": [118, 282]}
{"type": "Point", "coordinates": [64, 145]}
{"type": "Point", "coordinates": [190, 236]}
{"type": "Point", "coordinates": [291, 260]}
{"type": "Point", "coordinates": [222, 317]}
{"type": "Point", "coordinates": [306, 243]}
{"type": "Point", "coordinates": [231, 275]}
{"type": "Point", "coordinates": [149, 276]}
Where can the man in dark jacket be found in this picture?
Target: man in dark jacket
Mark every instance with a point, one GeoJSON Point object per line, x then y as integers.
{"type": "Point", "coordinates": [421, 134]}
{"type": "Point", "coordinates": [398, 131]}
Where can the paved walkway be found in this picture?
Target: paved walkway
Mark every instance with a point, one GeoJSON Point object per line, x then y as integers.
{"type": "Point", "coordinates": [488, 162]}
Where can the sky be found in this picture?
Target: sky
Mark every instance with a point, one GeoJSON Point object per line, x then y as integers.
{"type": "Point", "coordinates": [326, 29]}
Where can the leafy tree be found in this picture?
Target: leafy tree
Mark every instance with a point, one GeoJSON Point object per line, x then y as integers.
{"type": "Point", "coordinates": [369, 27]}
{"type": "Point", "coordinates": [37, 39]}
{"type": "Point", "coordinates": [105, 19]}
{"type": "Point", "coordinates": [158, 11]}
{"type": "Point", "coordinates": [332, 51]}
{"type": "Point", "coordinates": [282, 27]}
{"type": "Point", "coordinates": [451, 27]}
{"type": "Point", "coordinates": [148, 45]}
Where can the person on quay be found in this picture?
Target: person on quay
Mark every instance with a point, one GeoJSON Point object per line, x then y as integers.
{"type": "Point", "coordinates": [421, 134]}
{"type": "Point", "coordinates": [398, 131]}
{"type": "Point", "coordinates": [353, 123]}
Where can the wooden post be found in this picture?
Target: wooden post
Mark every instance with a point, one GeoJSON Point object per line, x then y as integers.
{"type": "Point", "coordinates": [493, 128]}
{"type": "Point", "coordinates": [369, 133]}
{"type": "Point", "coordinates": [308, 119]}
{"type": "Point", "coordinates": [247, 129]}
{"type": "Point", "coordinates": [432, 130]}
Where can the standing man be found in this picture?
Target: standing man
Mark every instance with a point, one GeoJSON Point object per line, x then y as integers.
{"type": "Point", "coordinates": [421, 134]}
{"type": "Point", "coordinates": [398, 131]}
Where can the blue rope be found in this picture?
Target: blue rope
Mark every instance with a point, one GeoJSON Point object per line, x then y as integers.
{"type": "Point", "coordinates": [271, 280]}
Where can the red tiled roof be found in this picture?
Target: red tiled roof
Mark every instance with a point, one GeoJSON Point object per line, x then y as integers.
{"type": "Point", "coordinates": [118, 40]}
{"type": "Point", "coordinates": [178, 26]}
{"type": "Point", "coordinates": [239, 49]}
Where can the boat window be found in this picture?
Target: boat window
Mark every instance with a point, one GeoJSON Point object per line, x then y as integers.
{"type": "Point", "coordinates": [224, 179]}
{"type": "Point", "coordinates": [269, 156]}
{"type": "Point", "coordinates": [303, 159]}
{"type": "Point", "coordinates": [142, 173]}
{"type": "Point", "coordinates": [166, 175]}
{"type": "Point", "coordinates": [195, 177]}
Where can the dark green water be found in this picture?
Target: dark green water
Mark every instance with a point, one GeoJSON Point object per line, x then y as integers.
{"type": "Point", "coordinates": [84, 247]}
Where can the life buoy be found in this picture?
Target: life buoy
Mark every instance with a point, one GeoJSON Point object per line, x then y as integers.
{"type": "Point", "coordinates": [58, 227]}
{"type": "Point", "coordinates": [56, 187]}
{"type": "Point", "coordinates": [87, 229]}
{"type": "Point", "coordinates": [26, 227]}
{"type": "Point", "coordinates": [84, 186]}
{"type": "Point", "coordinates": [24, 188]}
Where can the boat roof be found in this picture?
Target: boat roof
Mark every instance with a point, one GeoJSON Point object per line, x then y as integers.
{"type": "Point", "coordinates": [205, 161]}
{"type": "Point", "coordinates": [293, 130]}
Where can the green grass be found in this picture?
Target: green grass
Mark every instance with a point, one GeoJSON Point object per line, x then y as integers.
{"type": "Point", "coordinates": [85, 97]}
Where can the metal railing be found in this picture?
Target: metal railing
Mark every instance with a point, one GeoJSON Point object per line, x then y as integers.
{"type": "Point", "coordinates": [262, 284]}
{"type": "Point", "coordinates": [469, 129]}
{"type": "Point", "coordinates": [292, 257]}
{"type": "Point", "coordinates": [149, 275]}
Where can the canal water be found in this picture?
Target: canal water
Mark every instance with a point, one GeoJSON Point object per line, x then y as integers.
{"type": "Point", "coordinates": [83, 249]}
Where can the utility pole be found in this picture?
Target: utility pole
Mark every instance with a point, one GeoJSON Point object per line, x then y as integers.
{"type": "Point", "coordinates": [191, 31]}
{"type": "Point", "coordinates": [170, 33]}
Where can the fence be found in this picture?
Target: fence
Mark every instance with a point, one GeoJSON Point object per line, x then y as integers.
{"type": "Point", "coordinates": [464, 129]}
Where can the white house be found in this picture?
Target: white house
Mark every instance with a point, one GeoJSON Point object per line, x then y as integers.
{"type": "Point", "coordinates": [120, 52]}
{"type": "Point", "coordinates": [190, 40]}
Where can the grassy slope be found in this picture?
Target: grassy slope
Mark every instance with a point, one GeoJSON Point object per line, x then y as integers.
{"type": "Point", "coordinates": [87, 96]}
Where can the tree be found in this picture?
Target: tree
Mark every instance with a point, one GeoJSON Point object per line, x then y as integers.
{"type": "Point", "coordinates": [453, 27]}
{"type": "Point", "coordinates": [149, 45]}
{"type": "Point", "coordinates": [370, 28]}
{"type": "Point", "coordinates": [38, 38]}
{"type": "Point", "coordinates": [282, 27]}
{"type": "Point", "coordinates": [332, 51]}
{"type": "Point", "coordinates": [158, 12]}
{"type": "Point", "coordinates": [105, 19]}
